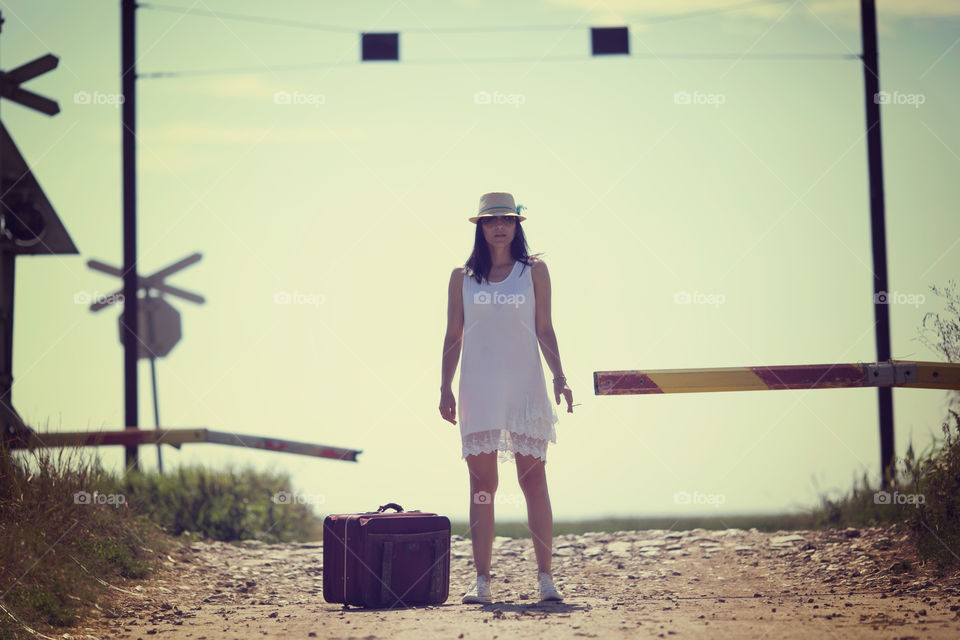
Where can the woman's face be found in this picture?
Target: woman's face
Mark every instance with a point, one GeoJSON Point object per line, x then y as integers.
{"type": "Point", "coordinates": [499, 230]}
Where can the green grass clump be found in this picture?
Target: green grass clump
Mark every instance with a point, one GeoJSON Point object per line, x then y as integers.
{"type": "Point", "coordinates": [868, 505]}
{"type": "Point", "coordinates": [223, 505]}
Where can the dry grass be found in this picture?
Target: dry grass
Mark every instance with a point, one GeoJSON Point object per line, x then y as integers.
{"type": "Point", "coordinates": [57, 549]}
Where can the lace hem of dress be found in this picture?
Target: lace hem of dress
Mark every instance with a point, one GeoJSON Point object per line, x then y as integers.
{"type": "Point", "coordinates": [534, 419]}
{"type": "Point", "coordinates": [506, 443]}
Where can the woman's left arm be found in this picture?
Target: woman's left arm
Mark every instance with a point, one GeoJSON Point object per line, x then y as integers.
{"type": "Point", "coordinates": [545, 333]}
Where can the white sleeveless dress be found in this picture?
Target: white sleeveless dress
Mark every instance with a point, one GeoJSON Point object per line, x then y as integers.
{"type": "Point", "coordinates": [503, 403]}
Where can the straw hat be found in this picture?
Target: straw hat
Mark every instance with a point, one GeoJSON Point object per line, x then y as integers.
{"type": "Point", "coordinates": [497, 204]}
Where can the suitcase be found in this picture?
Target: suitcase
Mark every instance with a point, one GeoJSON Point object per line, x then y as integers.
{"type": "Point", "coordinates": [381, 559]}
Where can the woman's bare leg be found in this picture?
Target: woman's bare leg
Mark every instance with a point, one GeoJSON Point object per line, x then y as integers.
{"type": "Point", "coordinates": [483, 487]}
{"type": "Point", "coordinates": [533, 480]}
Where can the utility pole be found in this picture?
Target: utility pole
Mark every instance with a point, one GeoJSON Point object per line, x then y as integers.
{"type": "Point", "coordinates": [6, 318]}
{"type": "Point", "coordinates": [881, 307]}
{"type": "Point", "coordinates": [128, 77]}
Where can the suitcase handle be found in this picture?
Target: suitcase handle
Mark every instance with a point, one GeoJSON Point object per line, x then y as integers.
{"type": "Point", "coordinates": [390, 505]}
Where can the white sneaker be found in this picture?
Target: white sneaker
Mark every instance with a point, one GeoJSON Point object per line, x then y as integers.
{"type": "Point", "coordinates": [547, 589]}
{"type": "Point", "coordinates": [479, 593]}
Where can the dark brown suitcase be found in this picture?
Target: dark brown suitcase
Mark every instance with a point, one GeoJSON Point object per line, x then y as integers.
{"type": "Point", "coordinates": [381, 559]}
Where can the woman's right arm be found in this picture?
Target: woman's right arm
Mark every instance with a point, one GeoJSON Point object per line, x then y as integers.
{"type": "Point", "coordinates": [454, 336]}
{"type": "Point", "coordinates": [452, 342]}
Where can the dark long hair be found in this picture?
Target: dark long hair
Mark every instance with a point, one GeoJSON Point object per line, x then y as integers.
{"type": "Point", "coordinates": [478, 264]}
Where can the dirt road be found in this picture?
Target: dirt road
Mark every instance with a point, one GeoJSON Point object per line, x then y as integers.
{"type": "Point", "coordinates": [636, 584]}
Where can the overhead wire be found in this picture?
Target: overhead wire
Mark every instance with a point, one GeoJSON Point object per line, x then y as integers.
{"type": "Point", "coordinates": [488, 60]}
{"type": "Point", "coordinates": [491, 29]}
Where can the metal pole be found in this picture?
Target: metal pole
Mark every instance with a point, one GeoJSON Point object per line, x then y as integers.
{"type": "Point", "coordinates": [8, 262]}
{"type": "Point", "coordinates": [156, 410]}
{"type": "Point", "coordinates": [881, 309]}
{"type": "Point", "coordinates": [151, 334]}
{"type": "Point", "coordinates": [130, 302]}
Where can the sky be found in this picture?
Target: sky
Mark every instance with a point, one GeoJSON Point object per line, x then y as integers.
{"type": "Point", "coordinates": [296, 169]}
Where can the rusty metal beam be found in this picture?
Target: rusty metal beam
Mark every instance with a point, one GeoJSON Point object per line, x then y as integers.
{"type": "Point", "coordinates": [176, 438]}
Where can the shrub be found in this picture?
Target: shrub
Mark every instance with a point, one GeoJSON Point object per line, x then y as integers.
{"type": "Point", "coordinates": [936, 522]}
{"type": "Point", "coordinates": [222, 504]}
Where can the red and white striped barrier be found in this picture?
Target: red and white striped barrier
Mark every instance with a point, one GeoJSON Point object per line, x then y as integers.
{"type": "Point", "coordinates": [894, 373]}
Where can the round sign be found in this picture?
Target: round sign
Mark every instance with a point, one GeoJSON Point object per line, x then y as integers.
{"type": "Point", "coordinates": [159, 329]}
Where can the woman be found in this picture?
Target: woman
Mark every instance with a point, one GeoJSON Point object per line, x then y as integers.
{"type": "Point", "coordinates": [499, 312]}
